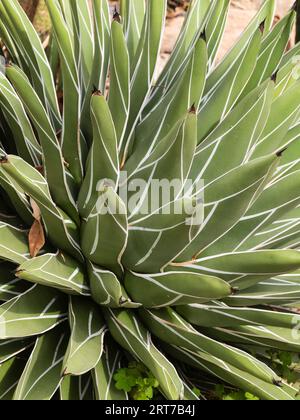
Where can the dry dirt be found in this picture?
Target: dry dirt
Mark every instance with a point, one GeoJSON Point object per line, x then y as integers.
{"type": "Point", "coordinates": [241, 12]}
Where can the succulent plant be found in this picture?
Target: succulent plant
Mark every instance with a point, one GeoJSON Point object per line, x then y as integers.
{"type": "Point", "coordinates": [90, 282]}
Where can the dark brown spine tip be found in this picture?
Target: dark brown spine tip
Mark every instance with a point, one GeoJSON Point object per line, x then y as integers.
{"type": "Point", "coordinates": [96, 92]}
{"type": "Point", "coordinates": [281, 152]}
{"type": "Point", "coordinates": [235, 290]}
{"type": "Point", "coordinates": [277, 382]}
{"type": "Point", "coordinates": [274, 77]}
{"type": "Point", "coordinates": [203, 36]}
{"type": "Point", "coordinates": [193, 109]}
{"type": "Point", "coordinates": [3, 159]}
{"type": "Point", "coordinates": [295, 6]}
{"type": "Point", "coordinates": [262, 26]}
{"type": "Point", "coordinates": [116, 16]}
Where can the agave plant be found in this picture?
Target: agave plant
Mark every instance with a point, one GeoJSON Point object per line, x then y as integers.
{"type": "Point", "coordinates": [83, 290]}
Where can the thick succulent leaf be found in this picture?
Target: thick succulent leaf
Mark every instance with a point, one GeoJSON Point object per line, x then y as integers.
{"type": "Point", "coordinates": [34, 312]}
{"type": "Point", "coordinates": [10, 373]}
{"type": "Point", "coordinates": [145, 65]}
{"type": "Point", "coordinates": [12, 348]}
{"type": "Point", "coordinates": [184, 95]}
{"type": "Point", "coordinates": [60, 182]}
{"type": "Point", "coordinates": [167, 325]}
{"type": "Point", "coordinates": [17, 198]}
{"type": "Point", "coordinates": [24, 137]}
{"type": "Point", "coordinates": [288, 72]}
{"type": "Point", "coordinates": [155, 239]}
{"type": "Point", "coordinates": [284, 114]}
{"type": "Point", "coordinates": [71, 141]}
{"type": "Point", "coordinates": [104, 233]}
{"type": "Point", "coordinates": [218, 102]}
{"type": "Point", "coordinates": [119, 90]}
{"type": "Point", "coordinates": [214, 29]}
{"type": "Point", "coordinates": [264, 16]}
{"type": "Point", "coordinates": [56, 270]}
{"type": "Point", "coordinates": [274, 203]}
{"type": "Point", "coordinates": [87, 334]}
{"type": "Point", "coordinates": [174, 288]}
{"type": "Point", "coordinates": [232, 375]}
{"type": "Point", "coordinates": [100, 64]}
{"type": "Point", "coordinates": [13, 244]}
{"type": "Point", "coordinates": [277, 291]}
{"type": "Point", "coordinates": [61, 230]}
{"type": "Point", "coordinates": [193, 27]}
{"type": "Point", "coordinates": [103, 161]}
{"type": "Point", "coordinates": [104, 386]}
{"type": "Point", "coordinates": [132, 13]}
{"type": "Point", "coordinates": [27, 39]}
{"type": "Point", "coordinates": [159, 164]}
{"type": "Point", "coordinates": [8, 38]}
{"type": "Point", "coordinates": [42, 374]}
{"type": "Point", "coordinates": [265, 336]}
{"type": "Point", "coordinates": [245, 269]}
{"type": "Point", "coordinates": [77, 388]}
{"type": "Point", "coordinates": [230, 195]}
{"type": "Point", "coordinates": [107, 290]}
{"type": "Point", "coordinates": [83, 40]}
{"type": "Point", "coordinates": [226, 317]}
{"type": "Point", "coordinates": [128, 331]}
{"type": "Point", "coordinates": [238, 132]}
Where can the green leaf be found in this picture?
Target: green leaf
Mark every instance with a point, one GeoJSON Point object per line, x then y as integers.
{"type": "Point", "coordinates": [103, 160]}
{"type": "Point", "coordinates": [167, 325]}
{"type": "Point", "coordinates": [87, 334]}
{"type": "Point", "coordinates": [107, 290]}
{"type": "Point", "coordinates": [104, 372]}
{"type": "Point", "coordinates": [104, 232]}
{"type": "Point", "coordinates": [10, 373]}
{"type": "Point", "coordinates": [245, 269]}
{"type": "Point", "coordinates": [41, 377]}
{"type": "Point", "coordinates": [34, 312]}
{"type": "Point", "coordinates": [144, 65]}
{"type": "Point", "coordinates": [13, 244]}
{"type": "Point", "coordinates": [56, 270]}
{"type": "Point", "coordinates": [133, 13]}
{"type": "Point", "coordinates": [24, 137]}
{"type": "Point", "coordinates": [128, 331]}
{"type": "Point", "coordinates": [60, 182]}
{"type": "Point", "coordinates": [174, 288]}
{"type": "Point", "coordinates": [77, 388]}
{"type": "Point", "coordinates": [72, 144]}
{"type": "Point", "coordinates": [12, 348]}
{"type": "Point", "coordinates": [218, 102]}
{"type": "Point", "coordinates": [119, 92]}
{"type": "Point", "coordinates": [61, 230]}
{"type": "Point", "coordinates": [31, 48]}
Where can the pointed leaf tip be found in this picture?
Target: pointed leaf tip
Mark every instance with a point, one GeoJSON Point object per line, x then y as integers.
{"type": "Point", "coordinates": [203, 36]}
{"type": "Point", "coordinates": [235, 290]}
{"type": "Point", "coordinates": [262, 26]}
{"type": "Point", "coordinates": [274, 77]}
{"type": "Point", "coordinates": [193, 109]}
{"type": "Point", "coordinates": [281, 152]}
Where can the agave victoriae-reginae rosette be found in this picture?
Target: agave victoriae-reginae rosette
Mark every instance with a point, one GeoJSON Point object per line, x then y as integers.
{"type": "Point", "coordinates": [107, 286]}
